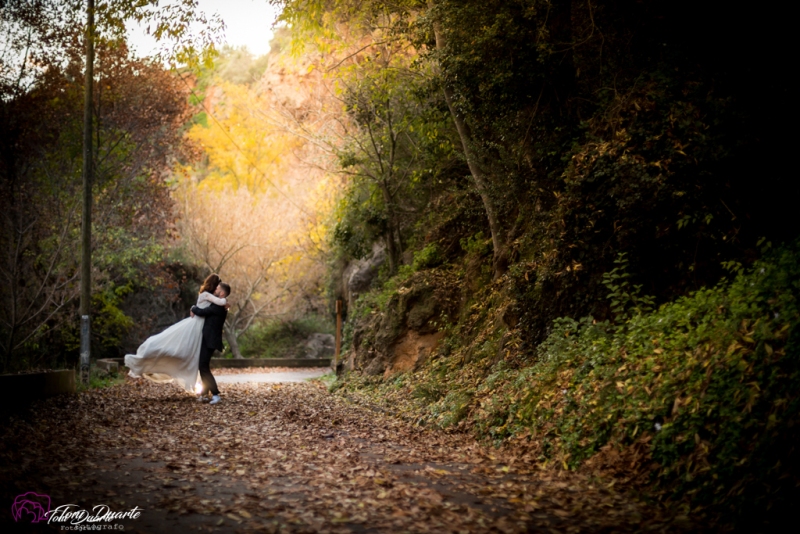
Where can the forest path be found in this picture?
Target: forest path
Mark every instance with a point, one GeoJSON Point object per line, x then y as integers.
{"type": "Point", "coordinates": [288, 458]}
{"type": "Point", "coordinates": [267, 375]}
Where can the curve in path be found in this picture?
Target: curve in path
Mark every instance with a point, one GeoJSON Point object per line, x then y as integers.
{"type": "Point", "coordinates": [270, 377]}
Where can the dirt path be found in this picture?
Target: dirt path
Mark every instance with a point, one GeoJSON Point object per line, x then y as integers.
{"type": "Point", "coordinates": [285, 458]}
{"type": "Point", "coordinates": [267, 375]}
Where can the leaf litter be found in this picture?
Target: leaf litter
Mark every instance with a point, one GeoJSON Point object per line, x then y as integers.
{"type": "Point", "coordinates": [293, 458]}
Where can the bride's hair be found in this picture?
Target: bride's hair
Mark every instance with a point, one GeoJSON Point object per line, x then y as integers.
{"type": "Point", "coordinates": [210, 284]}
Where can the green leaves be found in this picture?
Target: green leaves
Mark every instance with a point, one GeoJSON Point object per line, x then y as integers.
{"type": "Point", "coordinates": [429, 256]}
{"type": "Point", "coordinates": [704, 379]}
{"type": "Point", "coordinates": [186, 35]}
{"type": "Point", "coordinates": [625, 298]}
{"type": "Point", "coordinates": [693, 395]}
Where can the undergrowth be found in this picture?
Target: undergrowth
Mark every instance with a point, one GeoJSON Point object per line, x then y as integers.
{"type": "Point", "coordinates": [282, 339]}
{"type": "Point", "coordinates": [700, 395]}
{"type": "Point", "coordinates": [98, 379]}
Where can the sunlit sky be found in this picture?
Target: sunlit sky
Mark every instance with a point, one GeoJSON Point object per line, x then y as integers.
{"type": "Point", "coordinates": [248, 23]}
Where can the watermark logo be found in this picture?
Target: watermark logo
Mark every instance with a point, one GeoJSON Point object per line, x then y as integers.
{"type": "Point", "coordinates": [35, 508]}
{"type": "Point", "coordinates": [31, 504]}
{"type": "Point", "coordinates": [73, 515]}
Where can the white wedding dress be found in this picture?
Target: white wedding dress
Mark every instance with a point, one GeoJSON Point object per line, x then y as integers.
{"type": "Point", "coordinates": [174, 354]}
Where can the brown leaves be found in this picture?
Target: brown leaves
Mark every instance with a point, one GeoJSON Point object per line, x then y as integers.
{"type": "Point", "coordinates": [247, 464]}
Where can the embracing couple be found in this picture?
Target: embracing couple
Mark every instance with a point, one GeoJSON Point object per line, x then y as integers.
{"type": "Point", "coordinates": [185, 348]}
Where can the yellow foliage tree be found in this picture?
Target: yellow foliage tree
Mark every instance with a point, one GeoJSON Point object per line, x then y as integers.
{"type": "Point", "coordinates": [242, 146]}
{"type": "Point", "coordinates": [254, 207]}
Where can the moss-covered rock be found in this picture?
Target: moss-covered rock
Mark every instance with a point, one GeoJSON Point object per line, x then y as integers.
{"type": "Point", "coordinates": [409, 319]}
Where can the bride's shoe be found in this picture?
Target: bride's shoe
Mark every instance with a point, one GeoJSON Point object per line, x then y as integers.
{"type": "Point", "coordinates": [202, 398]}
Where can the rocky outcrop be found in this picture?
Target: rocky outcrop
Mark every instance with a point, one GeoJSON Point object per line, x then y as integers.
{"type": "Point", "coordinates": [319, 346]}
{"type": "Point", "coordinates": [411, 350]}
{"type": "Point", "coordinates": [404, 334]}
{"type": "Point", "coordinates": [358, 275]}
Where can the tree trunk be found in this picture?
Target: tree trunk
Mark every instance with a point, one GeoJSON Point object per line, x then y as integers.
{"type": "Point", "coordinates": [391, 250]}
{"type": "Point", "coordinates": [481, 182]}
{"type": "Point", "coordinates": [230, 337]}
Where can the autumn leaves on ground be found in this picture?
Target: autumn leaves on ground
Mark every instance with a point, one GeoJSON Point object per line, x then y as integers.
{"type": "Point", "coordinates": [290, 458]}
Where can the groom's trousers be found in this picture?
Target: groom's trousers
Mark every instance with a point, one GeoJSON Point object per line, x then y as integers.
{"type": "Point", "coordinates": [209, 384]}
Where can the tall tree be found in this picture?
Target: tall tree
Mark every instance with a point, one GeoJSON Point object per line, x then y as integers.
{"type": "Point", "coordinates": [137, 116]}
{"type": "Point", "coordinates": [378, 23]}
{"type": "Point", "coordinates": [383, 143]}
{"type": "Point", "coordinates": [473, 161]}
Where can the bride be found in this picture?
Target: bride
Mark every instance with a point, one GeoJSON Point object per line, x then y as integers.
{"type": "Point", "coordinates": [175, 352]}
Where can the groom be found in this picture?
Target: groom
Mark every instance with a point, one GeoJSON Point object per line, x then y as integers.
{"type": "Point", "coordinates": [212, 340]}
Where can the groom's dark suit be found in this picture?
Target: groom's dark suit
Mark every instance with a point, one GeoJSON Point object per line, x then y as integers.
{"type": "Point", "coordinates": [212, 340]}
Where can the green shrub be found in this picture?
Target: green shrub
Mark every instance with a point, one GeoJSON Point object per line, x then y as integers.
{"type": "Point", "coordinates": [428, 257]}
{"type": "Point", "coordinates": [98, 379]}
{"type": "Point", "coordinates": [625, 298]}
{"type": "Point", "coordinates": [379, 298]}
{"type": "Point", "coordinates": [110, 324]}
{"type": "Point", "coordinates": [706, 385]}
{"type": "Point", "coordinates": [699, 396]}
{"type": "Point", "coordinates": [477, 245]}
{"type": "Point", "coordinates": [281, 339]}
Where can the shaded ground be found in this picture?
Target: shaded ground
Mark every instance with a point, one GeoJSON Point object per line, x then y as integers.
{"type": "Point", "coordinates": [288, 458]}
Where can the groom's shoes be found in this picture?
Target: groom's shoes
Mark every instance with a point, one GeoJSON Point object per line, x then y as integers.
{"type": "Point", "coordinates": [215, 399]}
